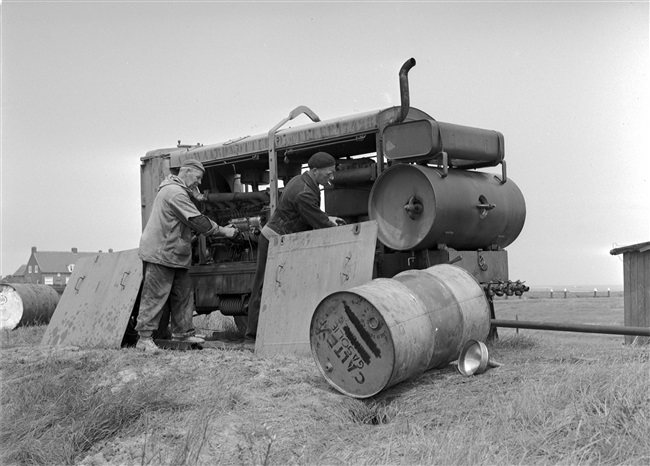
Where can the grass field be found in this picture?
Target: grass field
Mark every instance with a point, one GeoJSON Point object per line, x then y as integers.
{"type": "Point", "coordinates": [559, 398]}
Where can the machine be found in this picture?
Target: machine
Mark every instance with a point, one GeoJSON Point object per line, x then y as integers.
{"type": "Point", "coordinates": [421, 180]}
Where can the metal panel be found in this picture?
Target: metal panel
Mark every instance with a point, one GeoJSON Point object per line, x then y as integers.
{"type": "Point", "coordinates": [97, 302]}
{"type": "Point", "coordinates": [301, 270]}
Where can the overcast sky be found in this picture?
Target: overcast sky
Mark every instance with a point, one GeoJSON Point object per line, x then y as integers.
{"type": "Point", "coordinates": [89, 87]}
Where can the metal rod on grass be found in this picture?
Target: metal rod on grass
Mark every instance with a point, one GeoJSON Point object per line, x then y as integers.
{"type": "Point", "coordinates": [583, 328]}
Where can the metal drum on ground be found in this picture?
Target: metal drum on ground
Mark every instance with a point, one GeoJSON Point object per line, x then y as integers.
{"type": "Point", "coordinates": [373, 336]}
{"type": "Point", "coordinates": [25, 304]}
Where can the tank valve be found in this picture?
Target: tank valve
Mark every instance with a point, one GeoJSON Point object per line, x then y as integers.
{"type": "Point", "coordinates": [413, 207]}
{"type": "Point", "coordinates": [484, 208]}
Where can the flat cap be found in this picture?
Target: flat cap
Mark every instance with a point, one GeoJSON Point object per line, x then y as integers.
{"type": "Point", "coordinates": [321, 160]}
{"type": "Point", "coordinates": [193, 164]}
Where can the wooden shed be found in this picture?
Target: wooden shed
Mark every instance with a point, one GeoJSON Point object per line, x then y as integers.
{"type": "Point", "coordinates": [636, 287]}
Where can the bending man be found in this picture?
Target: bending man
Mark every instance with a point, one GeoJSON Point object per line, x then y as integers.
{"type": "Point", "coordinates": [298, 210]}
{"type": "Point", "coordinates": [166, 249]}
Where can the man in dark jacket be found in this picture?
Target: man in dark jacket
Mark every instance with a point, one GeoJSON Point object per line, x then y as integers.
{"type": "Point", "coordinates": [166, 250]}
{"type": "Point", "coordinates": [298, 210]}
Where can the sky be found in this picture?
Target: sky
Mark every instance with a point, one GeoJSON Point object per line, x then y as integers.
{"type": "Point", "coordinates": [89, 87]}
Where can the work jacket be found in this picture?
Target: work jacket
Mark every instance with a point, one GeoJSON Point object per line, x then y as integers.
{"type": "Point", "coordinates": [167, 237]}
{"type": "Point", "coordinates": [299, 207]}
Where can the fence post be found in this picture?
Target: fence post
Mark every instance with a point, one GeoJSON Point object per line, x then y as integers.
{"type": "Point", "coordinates": [551, 292]}
{"type": "Point", "coordinates": [565, 293]}
{"type": "Point", "coordinates": [595, 292]}
{"type": "Point", "coordinates": [517, 318]}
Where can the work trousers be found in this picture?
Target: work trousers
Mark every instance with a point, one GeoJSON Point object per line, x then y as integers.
{"type": "Point", "coordinates": [256, 291]}
{"type": "Point", "coordinates": [160, 284]}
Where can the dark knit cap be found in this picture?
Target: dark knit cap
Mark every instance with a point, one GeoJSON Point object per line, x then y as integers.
{"type": "Point", "coordinates": [321, 160]}
{"type": "Point", "coordinates": [193, 164]}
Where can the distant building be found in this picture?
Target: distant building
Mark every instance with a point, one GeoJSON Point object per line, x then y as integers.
{"type": "Point", "coordinates": [17, 277]}
{"type": "Point", "coordinates": [636, 287]}
{"type": "Point", "coordinates": [52, 267]}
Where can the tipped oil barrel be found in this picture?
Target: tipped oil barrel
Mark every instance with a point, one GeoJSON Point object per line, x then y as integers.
{"type": "Point", "coordinates": [25, 304]}
{"type": "Point", "coordinates": [375, 335]}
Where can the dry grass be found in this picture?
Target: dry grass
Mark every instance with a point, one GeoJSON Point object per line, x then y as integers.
{"type": "Point", "coordinates": [559, 398]}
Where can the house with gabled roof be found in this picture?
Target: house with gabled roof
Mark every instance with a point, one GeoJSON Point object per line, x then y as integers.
{"type": "Point", "coordinates": [53, 267]}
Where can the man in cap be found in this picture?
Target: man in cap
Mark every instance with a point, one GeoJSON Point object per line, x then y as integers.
{"type": "Point", "coordinates": [166, 250]}
{"type": "Point", "coordinates": [298, 210]}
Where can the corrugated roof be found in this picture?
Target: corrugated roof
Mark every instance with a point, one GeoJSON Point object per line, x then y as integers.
{"type": "Point", "coordinates": [57, 262]}
{"type": "Point", "coordinates": [640, 247]}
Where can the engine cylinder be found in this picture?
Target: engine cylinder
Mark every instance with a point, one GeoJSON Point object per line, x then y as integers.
{"type": "Point", "coordinates": [416, 207]}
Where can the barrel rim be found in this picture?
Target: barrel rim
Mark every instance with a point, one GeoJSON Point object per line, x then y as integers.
{"type": "Point", "coordinates": [428, 219]}
{"type": "Point", "coordinates": [385, 380]}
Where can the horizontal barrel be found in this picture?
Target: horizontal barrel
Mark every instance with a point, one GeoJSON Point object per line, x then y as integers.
{"type": "Point", "coordinates": [25, 304]}
{"type": "Point", "coordinates": [375, 335]}
{"type": "Point", "coordinates": [417, 207]}
{"type": "Point", "coordinates": [423, 140]}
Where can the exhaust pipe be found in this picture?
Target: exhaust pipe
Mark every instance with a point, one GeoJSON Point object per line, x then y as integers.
{"type": "Point", "coordinates": [404, 91]}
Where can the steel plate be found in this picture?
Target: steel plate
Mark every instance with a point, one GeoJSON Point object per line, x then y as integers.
{"type": "Point", "coordinates": [301, 270]}
{"type": "Point", "coordinates": [96, 305]}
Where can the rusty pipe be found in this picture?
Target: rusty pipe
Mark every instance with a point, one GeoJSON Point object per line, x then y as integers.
{"type": "Point", "coordinates": [404, 90]}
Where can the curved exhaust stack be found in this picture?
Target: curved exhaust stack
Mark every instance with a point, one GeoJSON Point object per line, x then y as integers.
{"type": "Point", "coordinates": [404, 90]}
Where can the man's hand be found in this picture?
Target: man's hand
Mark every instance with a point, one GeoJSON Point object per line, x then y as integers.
{"type": "Point", "coordinates": [228, 231]}
{"type": "Point", "coordinates": [337, 221]}
{"type": "Point", "coordinates": [200, 196]}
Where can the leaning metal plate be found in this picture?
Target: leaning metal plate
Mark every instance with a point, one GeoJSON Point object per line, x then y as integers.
{"type": "Point", "coordinates": [301, 270]}
{"type": "Point", "coordinates": [95, 307]}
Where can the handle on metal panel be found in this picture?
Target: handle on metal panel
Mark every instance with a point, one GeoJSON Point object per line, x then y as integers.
{"type": "Point", "coordinates": [79, 280]}
{"type": "Point", "coordinates": [126, 274]}
{"type": "Point", "coordinates": [277, 275]}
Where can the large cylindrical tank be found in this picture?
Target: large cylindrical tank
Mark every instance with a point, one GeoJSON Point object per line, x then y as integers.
{"type": "Point", "coordinates": [416, 207]}
{"type": "Point", "coordinates": [25, 303]}
{"type": "Point", "coordinates": [375, 335]}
